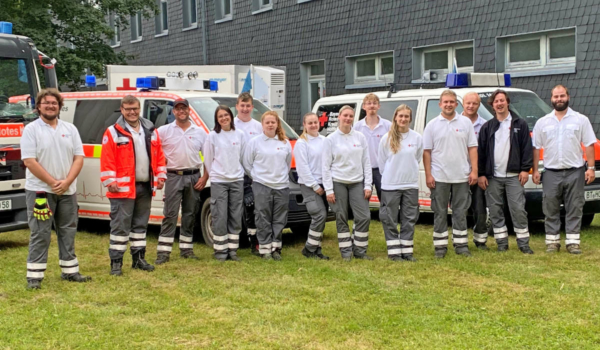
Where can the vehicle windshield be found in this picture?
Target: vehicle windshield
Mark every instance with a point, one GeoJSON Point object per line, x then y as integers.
{"type": "Point", "coordinates": [526, 105]}
{"type": "Point", "coordinates": [14, 82]}
{"type": "Point", "coordinates": [206, 106]}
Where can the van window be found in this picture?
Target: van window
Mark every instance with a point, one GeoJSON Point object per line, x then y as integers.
{"type": "Point", "coordinates": [526, 105]}
{"type": "Point", "coordinates": [93, 117]}
{"type": "Point", "coordinates": [328, 117]}
{"type": "Point", "coordinates": [433, 109]}
{"type": "Point", "coordinates": [388, 107]}
{"type": "Point", "coordinates": [159, 112]}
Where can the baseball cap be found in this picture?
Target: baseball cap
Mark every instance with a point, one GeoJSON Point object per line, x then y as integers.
{"type": "Point", "coordinates": [181, 101]}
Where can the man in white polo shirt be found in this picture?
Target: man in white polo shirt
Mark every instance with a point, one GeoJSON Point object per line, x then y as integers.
{"type": "Point", "coordinates": [561, 134]}
{"type": "Point", "coordinates": [53, 154]}
{"type": "Point", "coordinates": [450, 161]}
{"type": "Point", "coordinates": [182, 141]}
{"type": "Point", "coordinates": [471, 104]}
{"type": "Point", "coordinates": [505, 158]}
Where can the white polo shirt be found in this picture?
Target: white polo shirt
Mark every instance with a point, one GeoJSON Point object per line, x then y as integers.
{"type": "Point", "coordinates": [267, 160]}
{"type": "Point", "coordinates": [477, 125]}
{"type": "Point", "coordinates": [400, 170]}
{"type": "Point", "coordinates": [449, 142]}
{"type": "Point", "coordinates": [373, 136]}
{"type": "Point", "coordinates": [502, 148]}
{"type": "Point", "coordinates": [181, 147]}
{"type": "Point", "coordinates": [251, 128]}
{"type": "Point", "coordinates": [142, 161]}
{"type": "Point", "coordinates": [223, 154]}
{"type": "Point", "coordinates": [308, 161]}
{"type": "Point", "coordinates": [53, 149]}
{"type": "Point", "coordinates": [561, 140]}
{"type": "Point", "coordinates": [346, 159]}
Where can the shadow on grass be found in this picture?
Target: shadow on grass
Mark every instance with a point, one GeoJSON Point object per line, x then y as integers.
{"type": "Point", "coordinates": [12, 245]}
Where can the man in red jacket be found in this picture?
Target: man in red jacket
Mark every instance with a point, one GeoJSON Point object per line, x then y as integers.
{"type": "Point", "coordinates": [132, 167]}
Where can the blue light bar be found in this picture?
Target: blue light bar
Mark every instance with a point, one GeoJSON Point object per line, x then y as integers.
{"type": "Point", "coordinates": [6, 28]}
{"type": "Point", "coordinates": [507, 82]}
{"type": "Point", "coordinates": [150, 83]}
{"type": "Point", "coordinates": [214, 85]}
{"type": "Point", "coordinates": [457, 80]}
{"type": "Point", "coordinates": [90, 80]}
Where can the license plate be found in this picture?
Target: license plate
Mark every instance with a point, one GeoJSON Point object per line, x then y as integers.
{"type": "Point", "coordinates": [6, 204]}
{"type": "Point", "coordinates": [592, 195]}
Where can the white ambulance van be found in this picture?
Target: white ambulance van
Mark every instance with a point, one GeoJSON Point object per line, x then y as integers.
{"type": "Point", "coordinates": [93, 112]}
{"type": "Point", "coordinates": [425, 105]}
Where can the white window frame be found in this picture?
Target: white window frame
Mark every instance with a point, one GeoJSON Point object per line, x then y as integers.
{"type": "Point", "coordinates": [161, 31]}
{"type": "Point", "coordinates": [265, 6]}
{"type": "Point", "coordinates": [137, 21]}
{"type": "Point", "coordinates": [451, 49]}
{"type": "Point", "coordinates": [187, 12]}
{"type": "Point", "coordinates": [379, 76]}
{"type": "Point", "coordinates": [545, 62]}
{"type": "Point", "coordinates": [115, 41]}
{"type": "Point", "coordinates": [220, 15]}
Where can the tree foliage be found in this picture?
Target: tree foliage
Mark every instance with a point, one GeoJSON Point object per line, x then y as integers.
{"type": "Point", "coordinates": [75, 32]}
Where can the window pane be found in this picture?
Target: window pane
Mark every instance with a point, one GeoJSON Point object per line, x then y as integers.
{"type": "Point", "coordinates": [365, 68]}
{"type": "Point", "coordinates": [139, 24]}
{"type": "Point", "coordinates": [523, 51]}
{"type": "Point", "coordinates": [266, 2]}
{"type": "Point", "coordinates": [193, 11]}
{"type": "Point", "coordinates": [227, 8]}
{"type": "Point", "coordinates": [436, 60]}
{"type": "Point", "coordinates": [433, 110]}
{"type": "Point", "coordinates": [317, 69]}
{"type": "Point", "coordinates": [464, 57]}
{"type": "Point", "coordinates": [133, 22]}
{"type": "Point", "coordinates": [328, 116]}
{"type": "Point", "coordinates": [93, 117]}
{"type": "Point", "coordinates": [389, 107]}
{"type": "Point", "coordinates": [159, 112]}
{"type": "Point", "coordinates": [387, 65]}
{"type": "Point", "coordinates": [165, 22]}
{"type": "Point", "coordinates": [563, 46]}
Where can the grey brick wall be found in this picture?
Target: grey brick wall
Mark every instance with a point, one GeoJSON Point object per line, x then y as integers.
{"type": "Point", "coordinates": [331, 30]}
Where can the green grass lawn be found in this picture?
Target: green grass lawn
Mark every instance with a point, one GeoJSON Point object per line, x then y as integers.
{"type": "Point", "coordinates": [490, 301]}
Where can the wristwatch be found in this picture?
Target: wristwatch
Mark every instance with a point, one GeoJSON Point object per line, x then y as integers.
{"type": "Point", "coordinates": [592, 168]}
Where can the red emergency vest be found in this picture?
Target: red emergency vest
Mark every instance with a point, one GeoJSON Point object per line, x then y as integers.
{"type": "Point", "coordinates": [117, 162]}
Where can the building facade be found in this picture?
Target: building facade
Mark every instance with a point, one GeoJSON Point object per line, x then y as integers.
{"type": "Point", "coordinates": [333, 47]}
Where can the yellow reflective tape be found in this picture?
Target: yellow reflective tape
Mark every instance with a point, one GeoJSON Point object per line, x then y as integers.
{"type": "Point", "coordinates": [97, 151]}
{"type": "Point", "coordinates": [201, 156]}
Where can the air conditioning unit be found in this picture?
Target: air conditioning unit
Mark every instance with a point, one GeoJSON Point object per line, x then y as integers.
{"type": "Point", "coordinates": [435, 76]}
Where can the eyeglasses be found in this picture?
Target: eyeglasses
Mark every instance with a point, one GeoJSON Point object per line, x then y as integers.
{"type": "Point", "coordinates": [54, 104]}
{"type": "Point", "coordinates": [136, 109]}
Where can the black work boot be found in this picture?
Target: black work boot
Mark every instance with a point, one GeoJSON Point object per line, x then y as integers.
{"type": "Point", "coordinates": [188, 254]}
{"type": "Point", "coordinates": [463, 251]}
{"type": "Point", "coordinates": [503, 248]}
{"type": "Point", "coordinates": [276, 255]}
{"type": "Point", "coordinates": [320, 255]}
{"type": "Point", "coordinates": [395, 258]}
{"type": "Point", "coordinates": [481, 246]}
{"type": "Point", "coordinates": [441, 253]}
{"type": "Point", "coordinates": [115, 267]}
{"type": "Point", "coordinates": [409, 257]}
{"type": "Point", "coordinates": [34, 284]}
{"type": "Point", "coordinates": [254, 244]}
{"type": "Point", "coordinates": [308, 253]}
{"type": "Point", "coordinates": [526, 250]}
{"type": "Point", "coordinates": [75, 277]}
{"type": "Point", "coordinates": [363, 257]}
{"type": "Point", "coordinates": [139, 262]}
{"type": "Point", "coordinates": [234, 257]}
{"type": "Point", "coordinates": [162, 258]}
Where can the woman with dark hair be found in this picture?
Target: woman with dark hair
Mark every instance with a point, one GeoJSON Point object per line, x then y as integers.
{"type": "Point", "coordinates": [223, 152]}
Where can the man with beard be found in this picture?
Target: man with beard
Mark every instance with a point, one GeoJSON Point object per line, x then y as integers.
{"type": "Point", "coordinates": [561, 134]}
{"type": "Point", "coordinates": [504, 163]}
{"type": "Point", "coordinates": [53, 154]}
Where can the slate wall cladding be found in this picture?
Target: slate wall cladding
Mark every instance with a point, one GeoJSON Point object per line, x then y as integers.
{"type": "Point", "coordinates": [332, 29]}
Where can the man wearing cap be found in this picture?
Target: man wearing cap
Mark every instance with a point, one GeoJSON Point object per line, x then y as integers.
{"type": "Point", "coordinates": [182, 143]}
{"type": "Point", "coordinates": [561, 134]}
{"type": "Point", "coordinates": [132, 167]}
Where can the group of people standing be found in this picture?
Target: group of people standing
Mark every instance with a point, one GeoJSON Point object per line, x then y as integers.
{"type": "Point", "coordinates": [468, 163]}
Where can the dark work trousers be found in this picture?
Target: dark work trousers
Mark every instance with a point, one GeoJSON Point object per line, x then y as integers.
{"type": "Point", "coordinates": [563, 186]}
{"type": "Point", "coordinates": [515, 194]}
{"type": "Point", "coordinates": [64, 217]}
{"type": "Point", "coordinates": [377, 182]}
{"type": "Point", "coordinates": [407, 203]}
{"type": "Point", "coordinates": [461, 200]}
{"type": "Point", "coordinates": [271, 208]}
{"type": "Point", "coordinates": [249, 208]}
{"type": "Point", "coordinates": [226, 210]}
{"type": "Point", "coordinates": [129, 221]}
{"type": "Point", "coordinates": [317, 208]}
{"type": "Point", "coordinates": [479, 209]}
{"type": "Point", "coordinates": [352, 195]}
{"type": "Point", "coordinates": [179, 192]}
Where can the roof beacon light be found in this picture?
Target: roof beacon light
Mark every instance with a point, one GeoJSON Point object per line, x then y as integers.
{"type": "Point", "coordinates": [150, 83]}
{"type": "Point", "coordinates": [90, 80]}
{"type": "Point", "coordinates": [214, 85]}
{"type": "Point", "coordinates": [6, 28]}
{"type": "Point", "coordinates": [462, 80]}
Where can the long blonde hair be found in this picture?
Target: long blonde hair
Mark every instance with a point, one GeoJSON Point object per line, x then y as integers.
{"type": "Point", "coordinates": [394, 137]}
{"type": "Point", "coordinates": [304, 133]}
{"type": "Point", "coordinates": [279, 130]}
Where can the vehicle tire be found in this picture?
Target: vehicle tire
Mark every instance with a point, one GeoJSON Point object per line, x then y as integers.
{"type": "Point", "coordinates": [205, 223]}
{"type": "Point", "coordinates": [586, 220]}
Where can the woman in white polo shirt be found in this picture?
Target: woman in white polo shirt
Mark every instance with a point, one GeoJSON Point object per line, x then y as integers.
{"type": "Point", "coordinates": [223, 151]}
{"type": "Point", "coordinates": [267, 159]}
{"type": "Point", "coordinates": [307, 152]}
{"type": "Point", "coordinates": [347, 178]}
{"type": "Point", "coordinates": [400, 151]}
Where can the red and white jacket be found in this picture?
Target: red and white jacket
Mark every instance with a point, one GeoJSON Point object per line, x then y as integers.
{"type": "Point", "coordinates": [117, 162]}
